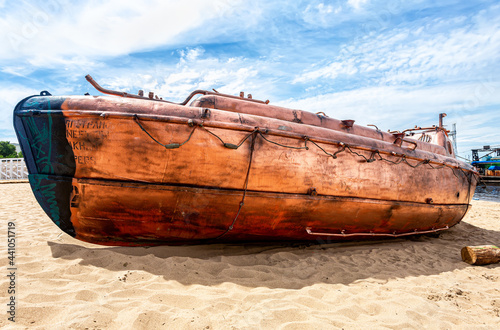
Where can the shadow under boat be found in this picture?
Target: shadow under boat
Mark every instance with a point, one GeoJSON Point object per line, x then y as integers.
{"type": "Point", "coordinates": [290, 265]}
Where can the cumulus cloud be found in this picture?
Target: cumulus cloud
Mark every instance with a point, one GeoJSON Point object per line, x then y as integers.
{"type": "Point", "coordinates": [357, 4]}
{"type": "Point", "coordinates": [401, 107]}
{"type": "Point", "coordinates": [394, 105]}
{"type": "Point", "coordinates": [58, 28]}
{"type": "Point", "coordinates": [192, 71]}
{"type": "Point", "coordinates": [9, 96]}
{"type": "Point", "coordinates": [405, 55]}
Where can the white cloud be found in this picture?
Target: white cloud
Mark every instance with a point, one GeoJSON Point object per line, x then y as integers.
{"type": "Point", "coordinates": [192, 71]}
{"type": "Point", "coordinates": [401, 107]}
{"type": "Point", "coordinates": [322, 9]}
{"type": "Point", "coordinates": [406, 55]}
{"type": "Point", "coordinates": [18, 70]}
{"type": "Point", "coordinates": [330, 71]}
{"type": "Point", "coordinates": [109, 28]}
{"type": "Point", "coordinates": [10, 95]}
{"type": "Point", "coordinates": [192, 54]}
{"type": "Point", "coordinates": [357, 4]}
{"type": "Point", "coordinates": [474, 130]}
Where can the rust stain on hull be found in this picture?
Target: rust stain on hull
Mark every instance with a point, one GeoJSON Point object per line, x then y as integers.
{"type": "Point", "coordinates": [117, 213]}
{"type": "Point", "coordinates": [120, 171]}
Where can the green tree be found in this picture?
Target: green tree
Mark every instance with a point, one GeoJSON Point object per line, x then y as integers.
{"type": "Point", "coordinates": [7, 150]}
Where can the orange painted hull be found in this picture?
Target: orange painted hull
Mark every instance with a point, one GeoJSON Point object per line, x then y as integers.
{"type": "Point", "coordinates": [117, 171]}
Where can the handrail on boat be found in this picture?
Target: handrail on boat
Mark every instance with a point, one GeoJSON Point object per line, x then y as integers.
{"type": "Point", "coordinates": [394, 234]}
{"type": "Point", "coordinates": [151, 95]}
{"type": "Point", "coordinates": [399, 141]}
{"type": "Point", "coordinates": [433, 128]}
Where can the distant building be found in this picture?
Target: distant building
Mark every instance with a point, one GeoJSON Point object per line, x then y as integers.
{"type": "Point", "coordinates": [18, 148]}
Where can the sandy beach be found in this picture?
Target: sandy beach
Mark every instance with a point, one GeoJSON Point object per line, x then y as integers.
{"type": "Point", "coordinates": [414, 283]}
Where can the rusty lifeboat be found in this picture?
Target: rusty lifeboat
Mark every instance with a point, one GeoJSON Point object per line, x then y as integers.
{"type": "Point", "coordinates": [134, 170]}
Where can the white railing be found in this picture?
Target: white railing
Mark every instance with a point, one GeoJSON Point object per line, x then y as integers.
{"type": "Point", "coordinates": [13, 169]}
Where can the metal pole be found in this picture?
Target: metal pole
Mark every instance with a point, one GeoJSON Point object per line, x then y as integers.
{"type": "Point", "coordinates": [453, 134]}
{"type": "Point", "coordinates": [441, 116]}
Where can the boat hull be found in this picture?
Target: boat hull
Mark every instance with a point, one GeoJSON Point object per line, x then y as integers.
{"type": "Point", "coordinates": [122, 213]}
{"type": "Point", "coordinates": [127, 172]}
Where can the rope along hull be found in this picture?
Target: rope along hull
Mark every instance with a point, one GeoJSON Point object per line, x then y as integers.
{"type": "Point", "coordinates": [120, 171]}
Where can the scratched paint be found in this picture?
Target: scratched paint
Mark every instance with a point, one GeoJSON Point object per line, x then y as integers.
{"type": "Point", "coordinates": [41, 137]}
{"type": "Point", "coordinates": [194, 191]}
{"type": "Point", "coordinates": [47, 190]}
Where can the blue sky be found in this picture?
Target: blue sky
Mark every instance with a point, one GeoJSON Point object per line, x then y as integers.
{"type": "Point", "coordinates": [392, 63]}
